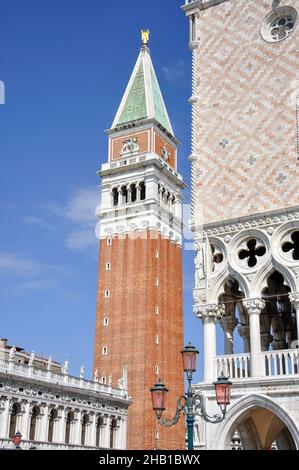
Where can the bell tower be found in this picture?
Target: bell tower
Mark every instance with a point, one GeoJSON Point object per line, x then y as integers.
{"type": "Point", "coordinates": [139, 324]}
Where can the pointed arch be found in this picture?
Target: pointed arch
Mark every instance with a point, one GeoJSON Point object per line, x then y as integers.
{"type": "Point", "coordinates": [244, 405]}
{"type": "Point", "coordinates": [221, 279]}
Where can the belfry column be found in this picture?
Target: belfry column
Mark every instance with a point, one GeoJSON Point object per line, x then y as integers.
{"type": "Point", "coordinates": [294, 298]}
{"type": "Point", "coordinates": [254, 308]}
{"type": "Point", "coordinates": [209, 314]}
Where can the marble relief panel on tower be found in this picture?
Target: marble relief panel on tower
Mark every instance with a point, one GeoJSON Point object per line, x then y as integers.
{"type": "Point", "coordinates": [143, 141]}
{"type": "Point", "coordinates": [137, 142]}
{"type": "Point", "coordinates": [246, 113]}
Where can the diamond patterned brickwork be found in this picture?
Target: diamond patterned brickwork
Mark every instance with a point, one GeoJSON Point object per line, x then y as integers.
{"type": "Point", "coordinates": [246, 114]}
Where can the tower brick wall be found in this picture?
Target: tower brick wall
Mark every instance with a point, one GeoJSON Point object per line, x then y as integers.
{"type": "Point", "coordinates": [137, 262]}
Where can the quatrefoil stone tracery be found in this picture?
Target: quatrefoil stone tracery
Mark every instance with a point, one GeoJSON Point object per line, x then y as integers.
{"type": "Point", "coordinates": [291, 247]}
{"type": "Point", "coordinates": [217, 255]}
{"type": "Point", "coordinates": [252, 252]}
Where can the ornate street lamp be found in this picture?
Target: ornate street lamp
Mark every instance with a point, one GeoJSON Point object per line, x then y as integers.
{"type": "Point", "coordinates": [17, 439]}
{"type": "Point", "coordinates": [187, 402]}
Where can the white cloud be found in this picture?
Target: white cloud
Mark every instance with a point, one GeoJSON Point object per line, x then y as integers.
{"type": "Point", "coordinates": [25, 267]}
{"type": "Point", "coordinates": [80, 208]}
{"type": "Point", "coordinates": [76, 216]}
{"type": "Point", "coordinates": [21, 266]}
{"type": "Point", "coordinates": [21, 274]}
{"type": "Point", "coordinates": [175, 71]}
{"type": "Point", "coordinates": [38, 222]}
{"type": "Point", "coordinates": [81, 240]}
{"type": "Point", "coordinates": [79, 211]}
{"type": "Point", "coordinates": [32, 285]}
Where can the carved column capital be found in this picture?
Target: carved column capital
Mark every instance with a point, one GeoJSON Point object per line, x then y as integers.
{"type": "Point", "coordinates": [209, 312]}
{"type": "Point", "coordinates": [254, 306]}
{"type": "Point", "coordinates": [294, 299]}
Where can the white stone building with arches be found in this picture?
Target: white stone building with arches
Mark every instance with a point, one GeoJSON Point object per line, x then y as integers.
{"type": "Point", "coordinates": [56, 411]}
{"type": "Point", "coordinates": [245, 216]}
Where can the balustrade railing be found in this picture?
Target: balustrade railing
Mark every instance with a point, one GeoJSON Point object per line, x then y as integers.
{"type": "Point", "coordinates": [10, 367]}
{"type": "Point", "coordinates": [234, 366]}
{"type": "Point", "coordinates": [126, 161]}
{"type": "Point", "coordinates": [277, 364]}
{"type": "Point", "coordinates": [27, 445]}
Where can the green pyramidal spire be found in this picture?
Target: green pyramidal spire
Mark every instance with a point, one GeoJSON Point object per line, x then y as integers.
{"type": "Point", "coordinates": [143, 98]}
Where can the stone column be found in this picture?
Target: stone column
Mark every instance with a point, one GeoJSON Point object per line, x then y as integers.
{"type": "Point", "coordinates": [56, 431]}
{"type": "Point", "coordinates": [254, 308]}
{"type": "Point", "coordinates": [120, 197]}
{"type": "Point", "coordinates": [44, 428]}
{"type": "Point", "coordinates": [117, 435]}
{"type": "Point", "coordinates": [106, 433]}
{"type": "Point", "coordinates": [78, 428]}
{"type": "Point", "coordinates": [244, 332]}
{"type": "Point", "coordinates": [229, 325]}
{"type": "Point", "coordinates": [129, 194]}
{"type": "Point", "coordinates": [93, 432]}
{"type": "Point", "coordinates": [20, 418]}
{"type": "Point", "coordinates": [124, 434]}
{"type": "Point", "coordinates": [209, 314]}
{"type": "Point", "coordinates": [294, 298]}
{"type": "Point", "coordinates": [26, 422]}
{"type": "Point", "coordinates": [62, 427]}
{"type": "Point", "coordinates": [5, 419]}
{"type": "Point", "coordinates": [138, 192]}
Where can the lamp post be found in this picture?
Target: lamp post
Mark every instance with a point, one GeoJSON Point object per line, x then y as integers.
{"type": "Point", "coordinates": [17, 439]}
{"type": "Point", "coordinates": [187, 402]}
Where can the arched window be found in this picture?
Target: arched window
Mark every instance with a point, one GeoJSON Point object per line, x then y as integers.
{"type": "Point", "coordinates": [115, 197]}
{"type": "Point", "coordinates": [100, 425]}
{"type": "Point", "coordinates": [113, 428]}
{"type": "Point", "coordinates": [34, 416]}
{"type": "Point", "coordinates": [52, 418]}
{"type": "Point", "coordinates": [16, 408]}
{"type": "Point", "coordinates": [142, 191]}
{"type": "Point", "coordinates": [133, 193]}
{"type": "Point", "coordinates": [85, 422]}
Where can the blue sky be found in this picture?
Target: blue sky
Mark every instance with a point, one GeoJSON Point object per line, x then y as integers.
{"type": "Point", "coordinates": [65, 65]}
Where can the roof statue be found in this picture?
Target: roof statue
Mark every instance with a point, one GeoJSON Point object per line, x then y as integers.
{"type": "Point", "coordinates": [145, 36]}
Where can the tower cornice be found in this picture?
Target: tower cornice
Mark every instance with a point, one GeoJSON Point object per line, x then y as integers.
{"type": "Point", "coordinates": [151, 160]}
{"type": "Point", "coordinates": [140, 125]}
{"type": "Point", "coordinates": [191, 5]}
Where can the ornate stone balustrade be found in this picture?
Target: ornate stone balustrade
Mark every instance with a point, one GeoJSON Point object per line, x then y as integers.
{"type": "Point", "coordinates": [277, 364]}
{"type": "Point", "coordinates": [126, 161]}
{"type": "Point", "coordinates": [59, 379]}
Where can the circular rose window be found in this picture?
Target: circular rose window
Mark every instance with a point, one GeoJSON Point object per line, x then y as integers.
{"type": "Point", "coordinates": [279, 24]}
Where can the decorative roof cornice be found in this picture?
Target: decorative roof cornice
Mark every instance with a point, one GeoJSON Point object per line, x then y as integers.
{"type": "Point", "coordinates": [201, 4]}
